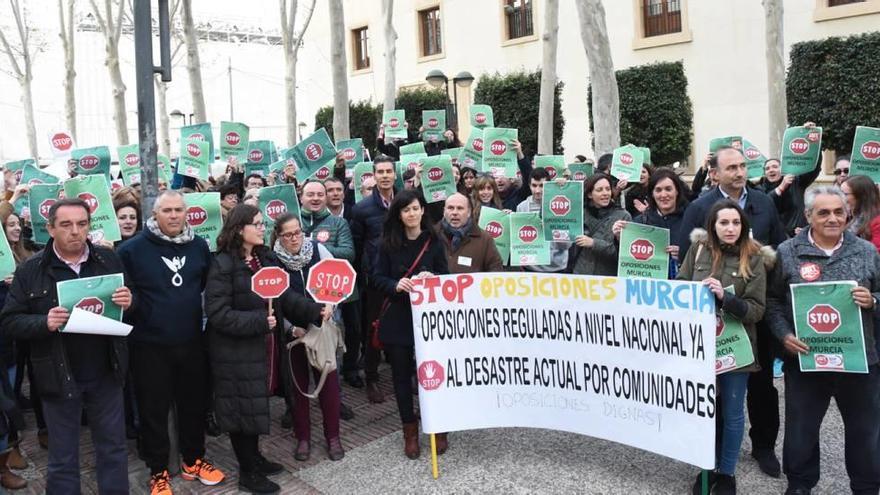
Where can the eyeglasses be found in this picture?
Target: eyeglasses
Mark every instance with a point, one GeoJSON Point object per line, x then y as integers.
{"type": "Point", "coordinates": [839, 171]}
{"type": "Point", "coordinates": [290, 235]}
{"type": "Point", "coordinates": [258, 225]}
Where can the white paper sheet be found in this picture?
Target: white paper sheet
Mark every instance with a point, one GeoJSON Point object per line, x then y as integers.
{"type": "Point", "coordinates": [81, 321]}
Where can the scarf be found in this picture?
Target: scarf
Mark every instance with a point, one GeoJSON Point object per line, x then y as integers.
{"type": "Point", "coordinates": [184, 237]}
{"type": "Point", "coordinates": [295, 262]}
{"type": "Point", "coordinates": [456, 234]}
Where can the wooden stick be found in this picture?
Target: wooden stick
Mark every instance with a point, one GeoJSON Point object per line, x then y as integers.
{"type": "Point", "coordinates": [434, 469]}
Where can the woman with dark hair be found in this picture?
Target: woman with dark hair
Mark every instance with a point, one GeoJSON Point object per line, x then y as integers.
{"type": "Point", "coordinates": [485, 194]}
{"type": "Point", "coordinates": [636, 195]}
{"type": "Point", "coordinates": [128, 215]}
{"type": "Point", "coordinates": [864, 207]}
{"type": "Point", "coordinates": [722, 257]}
{"type": "Point", "coordinates": [410, 250]}
{"type": "Point", "coordinates": [468, 177]}
{"type": "Point", "coordinates": [241, 341]}
{"type": "Point", "coordinates": [298, 255]}
{"type": "Point", "coordinates": [666, 206]}
{"type": "Point", "coordinates": [595, 252]}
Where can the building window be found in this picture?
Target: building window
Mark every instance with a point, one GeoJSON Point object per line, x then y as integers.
{"type": "Point", "coordinates": [661, 17]}
{"type": "Point", "coordinates": [429, 22]}
{"type": "Point", "coordinates": [835, 3]}
{"type": "Point", "coordinates": [361, 49]}
{"type": "Point", "coordinates": [518, 14]}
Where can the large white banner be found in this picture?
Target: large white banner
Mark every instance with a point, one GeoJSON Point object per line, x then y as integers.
{"type": "Point", "coordinates": [628, 360]}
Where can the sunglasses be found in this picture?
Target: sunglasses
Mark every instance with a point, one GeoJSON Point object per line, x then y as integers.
{"type": "Point", "coordinates": [839, 171]}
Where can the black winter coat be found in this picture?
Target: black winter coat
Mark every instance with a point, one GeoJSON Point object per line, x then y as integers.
{"type": "Point", "coordinates": [237, 346]}
{"type": "Point", "coordinates": [791, 204]}
{"type": "Point", "coordinates": [396, 327]}
{"type": "Point", "coordinates": [367, 220]}
{"type": "Point", "coordinates": [652, 217]}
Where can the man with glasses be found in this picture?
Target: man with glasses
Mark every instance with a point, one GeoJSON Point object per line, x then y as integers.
{"type": "Point", "coordinates": [841, 169]}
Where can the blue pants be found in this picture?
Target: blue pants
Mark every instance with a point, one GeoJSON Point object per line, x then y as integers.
{"type": "Point", "coordinates": [807, 396]}
{"type": "Point", "coordinates": [732, 395]}
{"type": "Point", "coordinates": [103, 401]}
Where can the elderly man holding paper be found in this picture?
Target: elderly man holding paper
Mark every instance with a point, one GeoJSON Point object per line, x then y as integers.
{"type": "Point", "coordinates": [75, 370]}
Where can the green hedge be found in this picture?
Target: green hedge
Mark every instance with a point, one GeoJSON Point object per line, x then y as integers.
{"type": "Point", "coordinates": [515, 99]}
{"type": "Point", "coordinates": [413, 101]}
{"type": "Point", "coordinates": [364, 120]}
{"type": "Point", "coordinates": [655, 110]}
{"type": "Point", "coordinates": [834, 82]}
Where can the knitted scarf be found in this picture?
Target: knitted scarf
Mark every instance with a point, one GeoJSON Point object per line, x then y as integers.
{"type": "Point", "coordinates": [298, 261]}
{"type": "Point", "coordinates": [456, 234]}
{"type": "Point", "coordinates": [182, 238]}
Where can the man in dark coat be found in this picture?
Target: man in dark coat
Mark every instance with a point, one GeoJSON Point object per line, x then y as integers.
{"type": "Point", "coordinates": [73, 370]}
{"type": "Point", "coordinates": [469, 249]}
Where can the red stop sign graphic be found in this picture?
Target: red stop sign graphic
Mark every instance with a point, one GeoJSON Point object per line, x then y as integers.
{"type": "Point", "coordinates": [579, 176]}
{"type": "Point", "coordinates": [432, 122]}
{"type": "Point", "coordinates": [435, 174]}
{"type": "Point", "coordinates": [322, 173]}
{"type": "Point", "coordinates": [498, 147]}
{"type": "Point", "coordinates": [196, 215]}
{"type": "Point", "coordinates": [90, 200]}
{"type": "Point", "coordinates": [823, 318]}
{"type": "Point", "coordinates": [62, 141]}
{"type": "Point", "coordinates": [431, 375]}
{"type": "Point", "coordinates": [641, 249]}
{"type": "Point", "coordinates": [198, 136]}
{"type": "Point", "coordinates": [314, 151]}
{"type": "Point", "coordinates": [394, 122]}
{"type": "Point", "coordinates": [91, 304]}
{"type": "Point", "coordinates": [551, 172]}
{"type": "Point", "coordinates": [275, 208]}
{"type": "Point", "coordinates": [870, 150]}
{"type": "Point", "coordinates": [799, 146]}
{"type": "Point", "coordinates": [331, 281]}
{"type": "Point", "coordinates": [478, 144]}
{"type": "Point", "coordinates": [132, 159]}
{"type": "Point", "coordinates": [752, 153]}
{"type": "Point", "coordinates": [45, 206]}
{"type": "Point", "coordinates": [494, 229]}
{"type": "Point", "coordinates": [480, 118]}
{"type": "Point", "coordinates": [528, 234]}
{"type": "Point", "coordinates": [719, 326]}
{"type": "Point", "coordinates": [270, 282]}
{"type": "Point", "coordinates": [255, 156]}
{"type": "Point", "coordinates": [368, 175]}
{"type": "Point", "coordinates": [626, 158]}
{"type": "Point", "coordinates": [88, 162]}
{"type": "Point", "coordinates": [813, 136]}
{"type": "Point", "coordinates": [348, 154]}
{"type": "Point", "coordinates": [560, 205]}
{"type": "Point", "coordinates": [232, 138]}
{"type": "Point", "coordinates": [193, 150]}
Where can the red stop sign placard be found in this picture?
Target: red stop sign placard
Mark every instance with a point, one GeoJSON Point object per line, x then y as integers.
{"type": "Point", "coordinates": [193, 150]}
{"type": "Point", "coordinates": [752, 153]}
{"type": "Point", "coordinates": [270, 282]}
{"type": "Point", "coordinates": [331, 281]}
{"type": "Point", "coordinates": [45, 206]}
{"type": "Point", "coordinates": [626, 158]}
{"type": "Point", "coordinates": [88, 162]}
{"type": "Point", "coordinates": [528, 233]}
{"type": "Point", "coordinates": [314, 151]}
{"type": "Point", "coordinates": [480, 118]}
{"type": "Point", "coordinates": [62, 141]}
{"type": "Point", "coordinates": [870, 150]}
{"type": "Point", "coordinates": [495, 229]}
{"type": "Point", "coordinates": [322, 173]}
{"type": "Point", "coordinates": [719, 326]}
{"type": "Point", "coordinates": [478, 144]}
{"type": "Point", "coordinates": [232, 138]}
{"type": "Point", "coordinates": [560, 205]}
{"type": "Point", "coordinates": [435, 174]}
{"type": "Point", "coordinates": [498, 147]}
{"type": "Point", "coordinates": [90, 200]}
{"type": "Point", "coordinates": [432, 122]}
{"type": "Point", "coordinates": [799, 146]}
{"type": "Point", "coordinates": [641, 249]}
{"type": "Point", "coordinates": [348, 154]}
{"type": "Point", "coordinates": [196, 215]}
{"type": "Point", "coordinates": [823, 318]}
{"type": "Point", "coordinates": [255, 156]}
{"type": "Point", "coordinates": [91, 304]}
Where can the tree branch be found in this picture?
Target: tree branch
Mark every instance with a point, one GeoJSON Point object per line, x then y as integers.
{"type": "Point", "coordinates": [98, 16]}
{"type": "Point", "coordinates": [305, 26]}
{"type": "Point", "coordinates": [11, 55]}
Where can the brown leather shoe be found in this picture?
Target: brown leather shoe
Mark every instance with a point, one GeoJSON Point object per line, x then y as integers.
{"type": "Point", "coordinates": [374, 394]}
{"type": "Point", "coordinates": [303, 450]}
{"type": "Point", "coordinates": [8, 479]}
{"type": "Point", "coordinates": [16, 461]}
{"type": "Point", "coordinates": [335, 450]}
{"type": "Point", "coordinates": [441, 442]}
{"type": "Point", "coordinates": [411, 440]}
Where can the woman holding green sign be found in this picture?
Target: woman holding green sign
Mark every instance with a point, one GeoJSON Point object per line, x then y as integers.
{"type": "Point", "coordinates": [596, 251]}
{"type": "Point", "coordinates": [864, 206]}
{"type": "Point", "coordinates": [724, 256]}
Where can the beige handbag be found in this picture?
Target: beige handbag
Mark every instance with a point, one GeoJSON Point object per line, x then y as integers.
{"type": "Point", "coordinates": [321, 343]}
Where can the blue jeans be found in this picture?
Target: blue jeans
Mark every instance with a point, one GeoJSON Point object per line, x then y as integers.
{"type": "Point", "coordinates": [732, 394]}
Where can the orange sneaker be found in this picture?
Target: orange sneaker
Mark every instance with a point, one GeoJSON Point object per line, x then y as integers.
{"type": "Point", "coordinates": [203, 471]}
{"type": "Point", "coordinates": [160, 484]}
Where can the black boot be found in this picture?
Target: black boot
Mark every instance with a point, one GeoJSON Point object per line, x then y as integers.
{"type": "Point", "coordinates": [725, 484]}
{"type": "Point", "coordinates": [698, 485]}
{"type": "Point", "coordinates": [768, 462]}
{"type": "Point", "coordinates": [267, 467]}
{"type": "Point", "coordinates": [287, 419]}
{"type": "Point", "coordinates": [254, 482]}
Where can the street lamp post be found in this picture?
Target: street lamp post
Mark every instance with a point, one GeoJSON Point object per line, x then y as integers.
{"type": "Point", "coordinates": [301, 127]}
{"type": "Point", "coordinates": [463, 79]}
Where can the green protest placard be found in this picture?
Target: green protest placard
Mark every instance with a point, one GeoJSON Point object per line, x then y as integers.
{"type": "Point", "coordinates": [801, 147]}
{"type": "Point", "coordinates": [865, 159]}
{"type": "Point", "coordinates": [7, 260]}
{"type": "Point", "coordinates": [92, 294]}
{"type": "Point", "coordinates": [399, 169]}
{"type": "Point", "coordinates": [454, 153]}
{"type": "Point", "coordinates": [433, 125]}
{"type": "Point", "coordinates": [580, 171]}
{"type": "Point", "coordinates": [409, 162]}
{"type": "Point", "coordinates": [413, 149]}
{"type": "Point", "coordinates": [733, 349]}
{"type": "Point", "coordinates": [732, 141]}
{"type": "Point", "coordinates": [499, 157]}
{"type": "Point", "coordinates": [394, 121]}
{"type": "Point", "coordinates": [496, 223]}
{"type": "Point", "coordinates": [199, 132]}
{"type": "Point", "coordinates": [436, 178]}
{"type": "Point", "coordinates": [262, 152]}
{"type": "Point", "coordinates": [165, 169]}
{"type": "Point", "coordinates": [352, 151]}
{"type": "Point", "coordinates": [194, 160]}
{"type": "Point", "coordinates": [313, 154]}
{"type": "Point", "coordinates": [754, 159]}
{"type": "Point", "coordinates": [643, 252]}
{"type": "Point", "coordinates": [277, 168]}
{"type": "Point", "coordinates": [553, 164]}
{"type": "Point", "coordinates": [481, 117]}
{"type": "Point", "coordinates": [130, 164]}
{"type": "Point", "coordinates": [257, 168]}
{"type": "Point", "coordinates": [32, 176]}
{"type": "Point", "coordinates": [16, 166]}
{"type": "Point", "coordinates": [276, 201]}
{"type": "Point", "coordinates": [527, 244]}
{"type": "Point", "coordinates": [234, 140]}
{"type": "Point", "coordinates": [41, 197]}
{"type": "Point", "coordinates": [472, 154]}
{"type": "Point", "coordinates": [827, 319]}
{"type": "Point", "coordinates": [362, 171]}
{"type": "Point", "coordinates": [203, 214]}
{"type": "Point", "coordinates": [646, 153]}
{"type": "Point", "coordinates": [626, 163]}
{"type": "Point", "coordinates": [562, 208]}
{"type": "Point", "coordinates": [90, 161]}
{"type": "Point", "coordinates": [95, 191]}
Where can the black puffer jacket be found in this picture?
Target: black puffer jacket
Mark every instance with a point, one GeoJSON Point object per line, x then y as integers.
{"type": "Point", "coordinates": [237, 332]}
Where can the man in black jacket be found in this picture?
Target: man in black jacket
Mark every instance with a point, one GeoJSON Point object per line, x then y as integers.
{"type": "Point", "coordinates": [72, 370]}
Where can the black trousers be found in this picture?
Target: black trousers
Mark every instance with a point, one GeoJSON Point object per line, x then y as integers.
{"type": "Point", "coordinates": [402, 359]}
{"type": "Point", "coordinates": [763, 399]}
{"type": "Point", "coordinates": [351, 318]}
{"type": "Point", "coordinates": [22, 361]}
{"type": "Point", "coordinates": [372, 303]}
{"type": "Point", "coordinates": [247, 450]}
{"type": "Point", "coordinates": [164, 375]}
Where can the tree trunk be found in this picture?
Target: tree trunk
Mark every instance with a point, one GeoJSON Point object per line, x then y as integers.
{"type": "Point", "coordinates": [390, 56]}
{"type": "Point", "coordinates": [119, 115]}
{"type": "Point", "coordinates": [164, 120]}
{"type": "Point", "coordinates": [776, 99]}
{"type": "Point", "coordinates": [290, 97]}
{"type": "Point", "coordinates": [193, 64]}
{"type": "Point", "coordinates": [548, 77]}
{"type": "Point", "coordinates": [67, 43]}
{"type": "Point", "coordinates": [339, 68]}
{"type": "Point", "coordinates": [27, 102]}
{"type": "Point", "coordinates": [605, 106]}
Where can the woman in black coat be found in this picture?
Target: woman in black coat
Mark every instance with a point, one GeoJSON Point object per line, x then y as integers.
{"type": "Point", "coordinates": [240, 336]}
{"type": "Point", "coordinates": [406, 232]}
